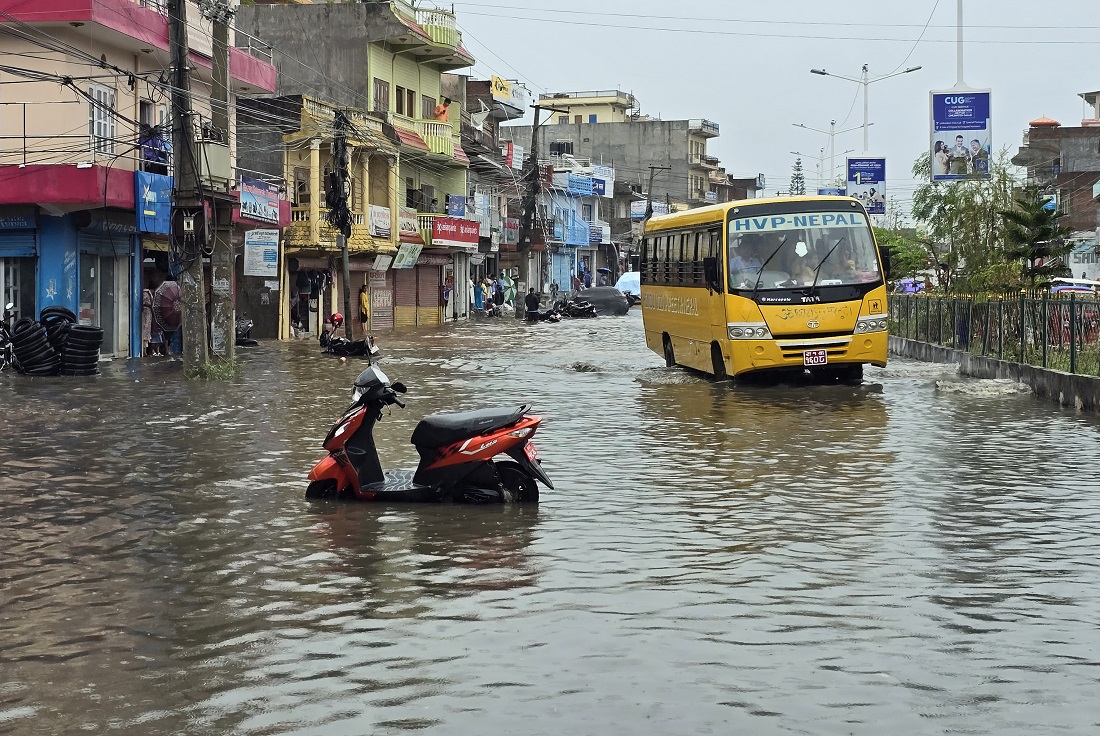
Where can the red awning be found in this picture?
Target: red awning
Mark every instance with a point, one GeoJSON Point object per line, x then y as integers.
{"type": "Point", "coordinates": [460, 155]}
{"type": "Point", "coordinates": [411, 139]}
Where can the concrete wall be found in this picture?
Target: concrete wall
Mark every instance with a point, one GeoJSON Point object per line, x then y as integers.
{"type": "Point", "coordinates": [1066, 389]}
{"type": "Point", "coordinates": [630, 147]}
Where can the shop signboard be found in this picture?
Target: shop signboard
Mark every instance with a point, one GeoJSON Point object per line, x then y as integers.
{"type": "Point", "coordinates": [408, 226]}
{"type": "Point", "coordinates": [261, 253]}
{"type": "Point", "coordinates": [154, 202]}
{"type": "Point", "coordinates": [603, 181]}
{"type": "Point", "coordinates": [962, 138]}
{"type": "Point", "coordinates": [637, 209]}
{"type": "Point", "coordinates": [381, 222]}
{"type": "Point", "coordinates": [259, 200]}
{"type": "Point", "coordinates": [451, 232]}
{"type": "Point", "coordinates": [511, 230]}
{"type": "Point", "coordinates": [407, 255]}
{"type": "Point", "coordinates": [867, 183]}
{"type": "Point", "coordinates": [381, 263]}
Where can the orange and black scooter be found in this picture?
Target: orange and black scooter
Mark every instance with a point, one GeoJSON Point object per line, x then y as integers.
{"type": "Point", "coordinates": [483, 456]}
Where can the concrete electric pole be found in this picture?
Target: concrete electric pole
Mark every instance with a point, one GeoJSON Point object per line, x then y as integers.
{"type": "Point", "coordinates": [339, 215]}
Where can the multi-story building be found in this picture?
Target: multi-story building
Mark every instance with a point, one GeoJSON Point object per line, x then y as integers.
{"type": "Point", "coordinates": [87, 135]}
{"type": "Point", "coordinates": [1065, 161]}
{"type": "Point", "coordinates": [386, 61]}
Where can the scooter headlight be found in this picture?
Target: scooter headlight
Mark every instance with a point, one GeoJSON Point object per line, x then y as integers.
{"type": "Point", "coordinates": [357, 393]}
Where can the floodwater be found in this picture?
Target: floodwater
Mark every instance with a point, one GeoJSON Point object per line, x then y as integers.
{"type": "Point", "coordinates": [917, 555]}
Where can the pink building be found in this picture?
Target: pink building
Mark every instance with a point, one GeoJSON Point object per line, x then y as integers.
{"type": "Point", "coordinates": [85, 109]}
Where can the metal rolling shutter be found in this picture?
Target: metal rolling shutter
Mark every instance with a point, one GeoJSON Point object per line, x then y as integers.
{"type": "Point", "coordinates": [17, 244]}
{"type": "Point", "coordinates": [104, 245]}
{"type": "Point", "coordinates": [404, 311]}
{"type": "Point", "coordinates": [429, 297]}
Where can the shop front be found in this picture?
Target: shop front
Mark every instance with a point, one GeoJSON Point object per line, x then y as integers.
{"type": "Point", "coordinates": [18, 256]}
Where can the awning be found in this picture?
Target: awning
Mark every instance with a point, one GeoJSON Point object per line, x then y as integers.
{"type": "Point", "coordinates": [460, 155]}
{"type": "Point", "coordinates": [411, 139]}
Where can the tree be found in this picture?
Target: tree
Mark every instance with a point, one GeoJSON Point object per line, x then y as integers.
{"type": "Point", "coordinates": [966, 231]}
{"type": "Point", "coordinates": [1033, 235]}
{"type": "Point", "coordinates": [907, 254]}
{"type": "Point", "coordinates": [798, 179]}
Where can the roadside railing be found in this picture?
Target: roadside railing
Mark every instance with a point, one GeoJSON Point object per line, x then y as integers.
{"type": "Point", "coordinates": [1058, 332]}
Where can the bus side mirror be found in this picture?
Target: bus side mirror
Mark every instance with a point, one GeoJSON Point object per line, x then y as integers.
{"type": "Point", "coordinates": [886, 265]}
{"type": "Point", "coordinates": [710, 273]}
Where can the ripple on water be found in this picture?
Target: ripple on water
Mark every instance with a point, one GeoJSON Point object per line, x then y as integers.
{"type": "Point", "coordinates": [906, 556]}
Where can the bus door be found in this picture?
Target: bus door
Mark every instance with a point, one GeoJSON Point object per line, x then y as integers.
{"type": "Point", "coordinates": [709, 246]}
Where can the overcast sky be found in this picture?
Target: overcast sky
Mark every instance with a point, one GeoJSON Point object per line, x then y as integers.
{"type": "Point", "coordinates": [747, 67]}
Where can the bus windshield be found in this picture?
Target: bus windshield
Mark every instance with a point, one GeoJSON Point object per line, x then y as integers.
{"type": "Point", "coordinates": [791, 250]}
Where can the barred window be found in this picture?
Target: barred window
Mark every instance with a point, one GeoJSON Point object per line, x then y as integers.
{"type": "Point", "coordinates": [101, 119]}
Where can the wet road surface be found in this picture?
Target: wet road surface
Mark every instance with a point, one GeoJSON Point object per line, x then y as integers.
{"type": "Point", "coordinates": [917, 555]}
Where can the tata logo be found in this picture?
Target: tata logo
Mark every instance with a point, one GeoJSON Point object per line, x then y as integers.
{"type": "Point", "coordinates": [813, 324]}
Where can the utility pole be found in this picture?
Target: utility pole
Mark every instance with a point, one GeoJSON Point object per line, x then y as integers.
{"type": "Point", "coordinates": [223, 277]}
{"type": "Point", "coordinates": [530, 200]}
{"type": "Point", "coordinates": [649, 191]}
{"type": "Point", "coordinates": [339, 215]}
{"type": "Point", "coordinates": [189, 233]}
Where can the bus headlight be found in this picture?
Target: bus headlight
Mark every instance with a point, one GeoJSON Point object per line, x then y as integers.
{"type": "Point", "coordinates": [747, 331]}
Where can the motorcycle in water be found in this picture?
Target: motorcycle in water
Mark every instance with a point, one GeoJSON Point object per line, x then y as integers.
{"type": "Point", "coordinates": [7, 350]}
{"type": "Point", "coordinates": [244, 333]}
{"type": "Point", "coordinates": [341, 346]}
{"type": "Point", "coordinates": [459, 453]}
{"type": "Point", "coordinates": [575, 308]}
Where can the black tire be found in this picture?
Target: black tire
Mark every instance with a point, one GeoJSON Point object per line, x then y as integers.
{"type": "Point", "coordinates": [523, 487]}
{"type": "Point", "coordinates": [57, 313]}
{"type": "Point", "coordinates": [719, 363]}
{"type": "Point", "coordinates": [670, 354]}
{"type": "Point", "coordinates": [30, 358]}
{"type": "Point", "coordinates": [323, 490]}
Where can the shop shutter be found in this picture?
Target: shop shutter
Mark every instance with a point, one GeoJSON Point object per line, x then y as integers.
{"type": "Point", "coordinates": [404, 310]}
{"type": "Point", "coordinates": [17, 244]}
{"type": "Point", "coordinates": [104, 245]}
{"type": "Point", "coordinates": [429, 286]}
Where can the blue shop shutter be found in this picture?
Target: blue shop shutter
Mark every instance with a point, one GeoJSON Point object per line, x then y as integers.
{"type": "Point", "coordinates": [104, 245]}
{"type": "Point", "coordinates": [17, 244]}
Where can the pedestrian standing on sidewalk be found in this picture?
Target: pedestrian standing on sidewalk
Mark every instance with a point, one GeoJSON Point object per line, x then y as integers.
{"type": "Point", "coordinates": [147, 321]}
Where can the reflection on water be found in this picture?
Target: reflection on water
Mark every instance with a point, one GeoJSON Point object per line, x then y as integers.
{"type": "Point", "coordinates": [898, 557]}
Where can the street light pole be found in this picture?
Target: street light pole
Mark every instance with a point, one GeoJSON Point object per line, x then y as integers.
{"type": "Point", "coordinates": [832, 132]}
{"type": "Point", "coordinates": [866, 82]}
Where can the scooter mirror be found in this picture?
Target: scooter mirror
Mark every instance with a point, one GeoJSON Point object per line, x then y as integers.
{"type": "Point", "coordinates": [398, 387]}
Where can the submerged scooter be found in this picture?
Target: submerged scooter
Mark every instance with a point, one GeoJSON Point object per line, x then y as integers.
{"type": "Point", "coordinates": [458, 453]}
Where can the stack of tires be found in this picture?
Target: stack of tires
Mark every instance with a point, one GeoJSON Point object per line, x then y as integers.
{"type": "Point", "coordinates": [33, 351]}
{"type": "Point", "coordinates": [56, 345]}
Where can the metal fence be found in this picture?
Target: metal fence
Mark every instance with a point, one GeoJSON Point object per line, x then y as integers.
{"type": "Point", "coordinates": [1053, 332]}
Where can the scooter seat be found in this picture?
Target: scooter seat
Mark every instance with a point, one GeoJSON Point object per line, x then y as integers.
{"type": "Point", "coordinates": [437, 430]}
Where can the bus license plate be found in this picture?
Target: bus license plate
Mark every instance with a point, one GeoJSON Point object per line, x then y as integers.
{"type": "Point", "coordinates": [531, 452]}
{"type": "Point", "coordinates": [815, 357]}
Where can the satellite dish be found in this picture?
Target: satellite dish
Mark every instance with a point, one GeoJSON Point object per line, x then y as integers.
{"type": "Point", "coordinates": [477, 119]}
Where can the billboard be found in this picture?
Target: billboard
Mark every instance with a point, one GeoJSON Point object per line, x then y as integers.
{"type": "Point", "coordinates": [154, 202]}
{"type": "Point", "coordinates": [867, 183]}
{"type": "Point", "coordinates": [259, 200]}
{"type": "Point", "coordinates": [261, 253]}
{"type": "Point", "coordinates": [962, 137]}
{"type": "Point", "coordinates": [454, 233]}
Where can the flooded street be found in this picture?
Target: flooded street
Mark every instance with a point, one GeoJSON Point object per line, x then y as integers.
{"type": "Point", "coordinates": [917, 555]}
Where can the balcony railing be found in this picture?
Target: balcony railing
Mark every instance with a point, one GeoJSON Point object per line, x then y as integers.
{"type": "Point", "coordinates": [440, 26]}
{"type": "Point", "coordinates": [706, 162]}
{"type": "Point", "coordinates": [438, 134]}
{"type": "Point", "coordinates": [301, 214]}
{"type": "Point", "coordinates": [704, 126]}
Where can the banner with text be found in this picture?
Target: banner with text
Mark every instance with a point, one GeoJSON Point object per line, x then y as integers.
{"type": "Point", "coordinates": [451, 232]}
{"type": "Point", "coordinates": [259, 200]}
{"type": "Point", "coordinates": [381, 222]}
{"type": "Point", "coordinates": [867, 183]}
{"type": "Point", "coordinates": [261, 253]}
{"type": "Point", "coordinates": [962, 137]}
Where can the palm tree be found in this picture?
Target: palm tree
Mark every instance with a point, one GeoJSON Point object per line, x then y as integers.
{"type": "Point", "coordinates": [1033, 235]}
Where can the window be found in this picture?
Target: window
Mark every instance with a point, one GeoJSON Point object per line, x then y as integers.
{"type": "Point", "coordinates": [427, 108]}
{"type": "Point", "coordinates": [101, 119]}
{"type": "Point", "coordinates": [381, 95]}
{"type": "Point", "coordinates": [410, 103]}
{"type": "Point", "coordinates": [145, 113]}
{"type": "Point", "coordinates": [586, 212]}
{"type": "Point", "coordinates": [400, 109]}
{"type": "Point", "coordinates": [592, 118]}
{"type": "Point", "coordinates": [563, 120]}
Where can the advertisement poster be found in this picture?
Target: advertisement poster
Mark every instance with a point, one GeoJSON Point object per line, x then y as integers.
{"type": "Point", "coordinates": [380, 221]}
{"type": "Point", "coordinates": [407, 255]}
{"type": "Point", "coordinates": [867, 183]}
{"type": "Point", "coordinates": [261, 253]}
{"type": "Point", "coordinates": [962, 137]}
{"type": "Point", "coordinates": [381, 263]}
{"type": "Point", "coordinates": [456, 205]}
{"type": "Point", "coordinates": [637, 209]}
{"type": "Point", "coordinates": [154, 202]}
{"type": "Point", "coordinates": [259, 200]}
{"type": "Point", "coordinates": [408, 226]}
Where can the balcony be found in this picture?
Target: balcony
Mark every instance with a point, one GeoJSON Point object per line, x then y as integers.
{"type": "Point", "coordinates": [297, 234]}
{"type": "Point", "coordinates": [440, 26]}
{"type": "Point", "coordinates": [437, 135]}
{"type": "Point", "coordinates": [701, 161]}
{"type": "Point", "coordinates": [703, 127]}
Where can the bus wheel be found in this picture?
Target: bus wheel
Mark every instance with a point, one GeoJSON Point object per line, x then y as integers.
{"type": "Point", "coordinates": [670, 356]}
{"type": "Point", "coordinates": [719, 363]}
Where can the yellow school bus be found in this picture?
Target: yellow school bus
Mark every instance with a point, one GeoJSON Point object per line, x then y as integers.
{"type": "Point", "coordinates": [791, 283]}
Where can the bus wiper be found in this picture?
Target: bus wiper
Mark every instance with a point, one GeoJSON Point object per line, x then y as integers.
{"type": "Point", "coordinates": [756, 286]}
{"type": "Point", "coordinates": [817, 271]}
